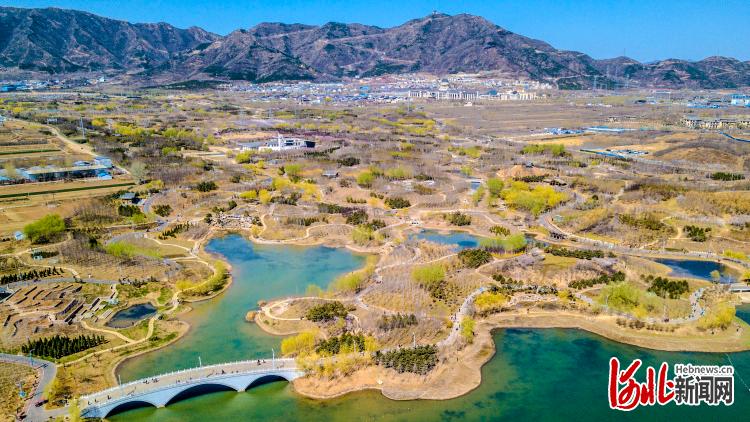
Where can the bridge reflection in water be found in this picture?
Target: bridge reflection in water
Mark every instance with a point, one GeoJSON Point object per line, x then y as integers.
{"type": "Point", "coordinates": [161, 390]}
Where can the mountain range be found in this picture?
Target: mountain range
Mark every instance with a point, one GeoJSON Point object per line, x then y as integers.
{"type": "Point", "coordinates": [58, 41]}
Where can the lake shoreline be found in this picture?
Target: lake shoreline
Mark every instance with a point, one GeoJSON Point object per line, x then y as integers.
{"type": "Point", "coordinates": [453, 380]}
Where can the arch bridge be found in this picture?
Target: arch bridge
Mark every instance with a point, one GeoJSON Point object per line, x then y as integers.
{"type": "Point", "coordinates": [161, 390]}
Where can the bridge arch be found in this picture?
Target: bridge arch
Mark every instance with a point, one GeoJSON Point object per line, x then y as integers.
{"type": "Point", "coordinates": [265, 379]}
{"type": "Point", "coordinates": [199, 390]}
{"type": "Point", "coordinates": [129, 405]}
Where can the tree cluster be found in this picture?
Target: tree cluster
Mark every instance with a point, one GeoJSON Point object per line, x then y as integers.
{"type": "Point", "coordinates": [397, 202]}
{"type": "Point", "coordinates": [474, 258]}
{"type": "Point", "coordinates": [174, 230]}
{"type": "Point", "coordinates": [697, 234]}
{"type": "Point", "coordinates": [665, 287]}
{"type": "Point", "coordinates": [457, 219]}
{"type": "Point", "coordinates": [326, 311]}
{"type": "Point", "coordinates": [419, 360]}
{"type": "Point", "coordinates": [346, 342]}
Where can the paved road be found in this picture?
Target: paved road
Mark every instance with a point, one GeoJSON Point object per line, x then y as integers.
{"type": "Point", "coordinates": [47, 374]}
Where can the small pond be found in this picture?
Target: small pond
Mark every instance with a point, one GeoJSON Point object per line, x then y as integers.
{"type": "Point", "coordinates": [695, 268]}
{"type": "Point", "coordinates": [130, 316]}
{"type": "Point", "coordinates": [462, 240]}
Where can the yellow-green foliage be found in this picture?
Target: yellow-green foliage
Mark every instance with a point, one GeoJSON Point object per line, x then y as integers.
{"type": "Point", "coordinates": [399, 173]}
{"type": "Point", "coordinates": [537, 200]}
{"type": "Point", "coordinates": [495, 186]}
{"type": "Point", "coordinates": [478, 195]}
{"type": "Point", "coordinates": [250, 195]}
{"type": "Point", "coordinates": [557, 150]}
{"type": "Point", "coordinates": [353, 281]}
{"type": "Point", "coordinates": [428, 274]}
{"type": "Point", "coordinates": [214, 283]}
{"type": "Point", "coordinates": [719, 316]}
{"type": "Point", "coordinates": [490, 301]}
{"type": "Point", "coordinates": [735, 254]}
{"type": "Point", "coordinates": [264, 196]}
{"type": "Point", "coordinates": [365, 179]}
{"type": "Point", "coordinates": [244, 157]}
{"type": "Point", "coordinates": [467, 329]}
{"type": "Point", "coordinates": [362, 235]}
{"type": "Point", "coordinates": [128, 250]}
{"type": "Point", "coordinates": [301, 344]}
{"type": "Point", "coordinates": [126, 129]}
{"type": "Point", "coordinates": [44, 229]}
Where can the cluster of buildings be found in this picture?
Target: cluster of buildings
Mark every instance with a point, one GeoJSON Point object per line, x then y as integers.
{"type": "Point", "coordinates": [456, 95]}
{"type": "Point", "coordinates": [694, 122]}
{"type": "Point", "coordinates": [280, 143]}
{"type": "Point", "coordinates": [100, 167]}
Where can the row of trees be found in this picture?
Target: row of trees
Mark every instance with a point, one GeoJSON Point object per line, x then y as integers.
{"type": "Point", "coordinates": [418, 360]}
{"type": "Point", "coordinates": [59, 346]}
{"type": "Point", "coordinates": [390, 322]}
{"type": "Point", "coordinates": [602, 279]}
{"type": "Point", "coordinates": [573, 253]}
{"type": "Point", "coordinates": [30, 275]}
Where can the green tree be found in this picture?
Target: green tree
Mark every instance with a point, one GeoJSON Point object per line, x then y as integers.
{"type": "Point", "coordinates": [44, 229]}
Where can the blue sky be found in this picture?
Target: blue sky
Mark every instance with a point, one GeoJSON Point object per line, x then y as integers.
{"type": "Point", "coordinates": [643, 29]}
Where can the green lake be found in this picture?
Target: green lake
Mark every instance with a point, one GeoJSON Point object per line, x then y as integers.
{"type": "Point", "coordinates": [537, 374]}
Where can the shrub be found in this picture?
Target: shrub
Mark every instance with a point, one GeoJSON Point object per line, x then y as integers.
{"type": "Point", "coordinates": [206, 186]}
{"type": "Point", "coordinates": [349, 161]}
{"type": "Point", "coordinates": [500, 230]}
{"type": "Point", "coordinates": [365, 179]}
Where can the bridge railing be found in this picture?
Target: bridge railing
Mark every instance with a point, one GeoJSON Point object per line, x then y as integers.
{"type": "Point", "coordinates": [181, 371]}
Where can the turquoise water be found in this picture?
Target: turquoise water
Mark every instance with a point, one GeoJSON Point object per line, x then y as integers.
{"type": "Point", "coordinates": [131, 315]}
{"type": "Point", "coordinates": [695, 268]}
{"type": "Point", "coordinates": [463, 240]}
{"type": "Point", "coordinates": [536, 375]}
{"type": "Point", "coordinates": [218, 330]}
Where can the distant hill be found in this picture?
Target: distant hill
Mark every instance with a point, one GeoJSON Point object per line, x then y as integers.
{"type": "Point", "coordinates": [60, 41]}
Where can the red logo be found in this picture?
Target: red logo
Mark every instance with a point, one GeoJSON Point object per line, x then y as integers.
{"type": "Point", "coordinates": [625, 393]}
